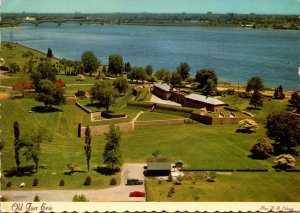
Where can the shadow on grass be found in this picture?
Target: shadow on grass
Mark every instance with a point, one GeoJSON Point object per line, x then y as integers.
{"type": "Point", "coordinates": [74, 171]}
{"type": "Point", "coordinates": [243, 131]}
{"type": "Point", "coordinates": [42, 109]}
{"type": "Point", "coordinates": [106, 171]}
{"type": "Point", "coordinates": [253, 108]}
{"type": "Point", "coordinates": [258, 157]}
{"type": "Point", "coordinates": [23, 171]}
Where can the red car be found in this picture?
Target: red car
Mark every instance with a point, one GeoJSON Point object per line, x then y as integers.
{"type": "Point", "coordinates": [137, 194]}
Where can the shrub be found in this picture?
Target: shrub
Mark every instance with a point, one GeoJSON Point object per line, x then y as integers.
{"type": "Point", "coordinates": [262, 148]}
{"type": "Point", "coordinates": [62, 182]}
{"type": "Point", "coordinates": [113, 181]}
{"type": "Point", "coordinates": [36, 198]}
{"type": "Point", "coordinates": [172, 189]}
{"type": "Point", "coordinates": [9, 184]}
{"type": "Point", "coordinates": [247, 125]}
{"type": "Point", "coordinates": [170, 178]}
{"type": "Point", "coordinates": [211, 177]}
{"type": "Point", "coordinates": [79, 198]}
{"type": "Point", "coordinates": [87, 181]}
{"type": "Point", "coordinates": [35, 182]}
{"type": "Point", "coordinates": [285, 161]}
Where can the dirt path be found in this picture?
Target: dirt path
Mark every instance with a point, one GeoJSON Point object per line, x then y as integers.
{"type": "Point", "coordinates": [118, 193]}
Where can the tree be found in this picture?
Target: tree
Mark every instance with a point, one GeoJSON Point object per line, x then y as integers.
{"type": "Point", "coordinates": [16, 143]}
{"type": "Point", "coordinates": [284, 129]}
{"type": "Point", "coordinates": [183, 69]}
{"type": "Point", "coordinates": [103, 92]}
{"type": "Point", "coordinates": [33, 145]}
{"type": "Point", "coordinates": [248, 126]}
{"type": "Point", "coordinates": [127, 67]}
{"type": "Point", "coordinates": [202, 76]}
{"type": "Point", "coordinates": [278, 93]}
{"type": "Point", "coordinates": [44, 71]}
{"type": "Point", "coordinates": [176, 79]}
{"type": "Point", "coordinates": [115, 64]}
{"type": "Point", "coordinates": [50, 94]}
{"type": "Point", "coordinates": [49, 53]}
{"type": "Point", "coordinates": [90, 62]}
{"type": "Point", "coordinates": [14, 67]}
{"type": "Point", "coordinates": [163, 74]}
{"type": "Point", "coordinates": [112, 155]}
{"type": "Point", "coordinates": [87, 147]}
{"type": "Point", "coordinates": [256, 99]}
{"type": "Point", "coordinates": [285, 161]}
{"type": "Point", "coordinates": [295, 101]}
{"type": "Point", "coordinates": [255, 83]}
{"type": "Point", "coordinates": [262, 148]}
{"type": "Point", "coordinates": [121, 85]}
{"type": "Point", "coordinates": [209, 87]}
{"type": "Point", "coordinates": [137, 73]}
{"type": "Point", "coordinates": [149, 70]}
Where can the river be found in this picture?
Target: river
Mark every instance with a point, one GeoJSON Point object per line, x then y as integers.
{"type": "Point", "coordinates": [235, 54]}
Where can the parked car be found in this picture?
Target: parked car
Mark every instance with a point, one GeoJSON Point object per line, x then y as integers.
{"type": "Point", "coordinates": [137, 194]}
{"type": "Point", "coordinates": [133, 181]}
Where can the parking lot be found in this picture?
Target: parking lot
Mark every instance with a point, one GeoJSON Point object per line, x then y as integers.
{"type": "Point", "coordinates": [118, 193]}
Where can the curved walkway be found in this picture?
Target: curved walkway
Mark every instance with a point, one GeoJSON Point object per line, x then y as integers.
{"type": "Point", "coordinates": [118, 193]}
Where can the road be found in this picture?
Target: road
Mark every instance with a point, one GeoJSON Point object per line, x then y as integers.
{"type": "Point", "coordinates": [118, 193]}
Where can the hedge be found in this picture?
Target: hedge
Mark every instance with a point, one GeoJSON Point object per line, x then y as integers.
{"type": "Point", "coordinates": [210, 170]}
{"type": "Point", "coordinates": [140, 104]}
{"type": "Point", "coordinates": [143, 95]}
{"type": "Point", "coordinates": [252, 170]}
{"type": "Point", "coordinates": [174, 108]}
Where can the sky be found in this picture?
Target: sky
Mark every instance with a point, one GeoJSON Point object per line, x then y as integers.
{"type": "Point", "coordinates": [153, 6]}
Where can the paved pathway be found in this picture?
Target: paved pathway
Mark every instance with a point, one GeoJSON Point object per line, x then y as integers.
{"type": "Point", "coordinates": [118, 193]}
{"type": "Point", "coordinates": [155, 99]}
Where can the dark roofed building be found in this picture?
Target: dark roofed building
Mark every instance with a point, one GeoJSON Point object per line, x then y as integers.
{"type": "Point", "coordinates": [163, 91]}
{"type": "Point", "coordinates": [158, 169]}
{"type": "Point", "coordinates": [201, 101]}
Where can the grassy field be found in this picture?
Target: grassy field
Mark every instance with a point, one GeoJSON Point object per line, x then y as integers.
{"type": "Point", "coordinates": [230, 187]}
{"type": "Point", "coordinates": [270, 105]}
{"type": "Point", "coordinates": [13, 52]}
{"type": "Point", "coordinates": [65, 148]}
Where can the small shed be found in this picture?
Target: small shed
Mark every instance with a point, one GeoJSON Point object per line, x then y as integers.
{"type": "Point", "coordinates": [179, 164]}
{"type": "Point", "coordinates": [158, 169]}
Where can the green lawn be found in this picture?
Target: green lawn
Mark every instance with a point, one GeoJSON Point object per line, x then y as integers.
{"type": "Point", "coordinates": [199, 146]}
{"type": "Point", "coordinates": [65, 148]}
{"type": "Point", "coordinates": [149, 116]}
{"type": "Point", "coordinates": [235, 187]}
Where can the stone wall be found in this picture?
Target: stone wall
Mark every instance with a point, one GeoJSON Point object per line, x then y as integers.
{"type": "Point", "coordinates": [100, 130]}
{"type": "Point", "coordinates": [82, 107]}
{"type": "Point", "coordinates": [161, 122]}
{"type": "Point", "coordinates": [216, 121]}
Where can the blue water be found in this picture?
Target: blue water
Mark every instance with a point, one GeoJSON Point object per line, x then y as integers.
{"type": "Point", "coordinates": [235, 54]}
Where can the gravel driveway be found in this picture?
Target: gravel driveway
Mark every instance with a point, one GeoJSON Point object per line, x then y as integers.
{"type": "Point", "coordinates": [118, 193]}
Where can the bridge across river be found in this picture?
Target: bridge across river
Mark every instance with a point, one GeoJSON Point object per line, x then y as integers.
{"type": "Point", "coordinates": [59, 22]}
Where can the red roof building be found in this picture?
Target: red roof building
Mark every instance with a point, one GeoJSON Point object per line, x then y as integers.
{"type": "Point", "coordinates": [60, 82]}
